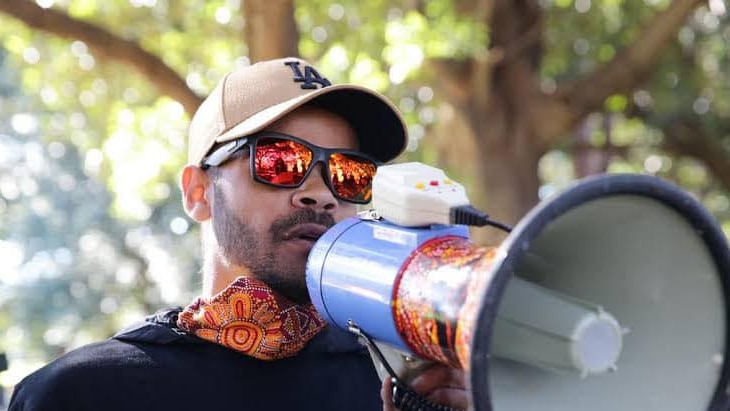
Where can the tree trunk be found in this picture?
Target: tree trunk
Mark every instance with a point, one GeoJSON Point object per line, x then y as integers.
{"type": "Point", "coordinates": [495, 103]}
{"type": "Point", "coordinates": [510, 121]}
{"type": "Point", "coordinates": [587, 159]}
{"type": "Point", "coordinates": [271, 31]}
{"type": "Point", "coordinates": [504, 169]}
{"type": "Point", "coordinates": [499, 169]}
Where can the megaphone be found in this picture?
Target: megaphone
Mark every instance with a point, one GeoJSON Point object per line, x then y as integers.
{"type": "Point", "coordinates": [611, 295]}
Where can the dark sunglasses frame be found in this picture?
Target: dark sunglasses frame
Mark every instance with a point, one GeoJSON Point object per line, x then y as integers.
{"type": "Point", "coordinates": [319, 155]}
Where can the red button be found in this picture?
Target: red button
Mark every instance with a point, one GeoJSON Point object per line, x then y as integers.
{"type": "Point", "coordinates": [434, 183]}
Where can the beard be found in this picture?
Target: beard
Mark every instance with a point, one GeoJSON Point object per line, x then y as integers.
{"type": "Point", "coordinates": [243, 246]}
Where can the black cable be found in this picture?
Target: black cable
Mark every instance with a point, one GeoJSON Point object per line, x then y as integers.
{"type": "Point", "coordinates": [404, 398]}
{"type": "Point", "coordinates": [497, 224]}
{"type": "Point", "coordinates": [355, 329]}
{"type": "Point", "coordinates": [468, 215]}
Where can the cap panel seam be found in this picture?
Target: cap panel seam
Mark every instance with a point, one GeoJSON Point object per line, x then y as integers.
{"type": "Point", "coordinates": [223, 126]}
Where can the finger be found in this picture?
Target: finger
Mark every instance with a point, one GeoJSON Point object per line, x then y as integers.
{"type": "Point", "coordinates": [386, 391]}
{"type": "Point", "coordinates": [438, 376]}
{"type": "Point", "coordinates": [453, 397]}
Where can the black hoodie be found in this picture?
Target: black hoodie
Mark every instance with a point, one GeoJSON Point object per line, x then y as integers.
{"type": "Point", "coordinates": [156, 366]}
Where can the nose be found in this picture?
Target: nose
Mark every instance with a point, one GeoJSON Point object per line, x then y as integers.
{"type": "Point", "coordinates": [314, 193]}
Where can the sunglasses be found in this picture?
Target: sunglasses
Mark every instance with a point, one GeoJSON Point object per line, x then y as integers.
{"type": "Point", "coordinates": [285, 161]}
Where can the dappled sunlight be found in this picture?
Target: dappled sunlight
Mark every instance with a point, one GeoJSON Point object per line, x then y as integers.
{"type": "Point", "coordinates": [366, 72]}
{"type": "Point", "coordinates": [92, 232]}
{"type": "Point", "coordinates": [93, 161]}
{"type": "Point", "coordinates": [337, 57]}
{"type": "Point", "coordinates": [557, 171]}
{"type": "Point", "coordinates": [136, 162]}
{"type": "Point", "coordinates": [24, 123]}
{"type": "Point", "coordinates": [12, 255]}
{"type": "Point", "coordinates": [223, 15]}
{"type": "Point", "coordinates": [163, 271]}
{"type": "Point", "coordinates": [653, 164]}
{"type": "Point", "coordinates": [718, 7]}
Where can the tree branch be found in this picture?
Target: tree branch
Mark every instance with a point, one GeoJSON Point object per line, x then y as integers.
{"type": "Point", "coordinates": [633, 65]}
{"type": "Point", "coordinates": [561, 111]}
{"type": "Point", "coordinates": [453, 77]}
{"type": "Point", "coordinates": [107, 45]}
{"type": "Point", "coordinates": [687, 137]}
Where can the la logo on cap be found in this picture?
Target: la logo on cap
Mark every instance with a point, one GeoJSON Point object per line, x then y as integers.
{"type": "Point", "coordinates": [310, 78]}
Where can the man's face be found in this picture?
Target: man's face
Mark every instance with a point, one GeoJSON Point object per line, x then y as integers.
{"type": "Point", "coordinates": [270, 230]}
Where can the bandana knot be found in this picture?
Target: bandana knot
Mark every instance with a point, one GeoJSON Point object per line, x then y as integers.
{"type": "Point", "coordinates": [249, 317]}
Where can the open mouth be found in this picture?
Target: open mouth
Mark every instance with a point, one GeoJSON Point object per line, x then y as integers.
{"type": "Point", "coordinates": [307, 232]}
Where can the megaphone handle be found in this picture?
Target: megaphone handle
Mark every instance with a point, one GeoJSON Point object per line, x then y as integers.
{"type": "Point", "coordinates": [404, 398]}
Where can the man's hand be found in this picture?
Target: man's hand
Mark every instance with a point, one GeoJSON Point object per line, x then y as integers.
{"type": "Point", "coordinates": [438, 383]}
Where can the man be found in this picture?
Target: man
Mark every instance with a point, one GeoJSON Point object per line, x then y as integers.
{"type": "Point", "coordinates": [267, 149]}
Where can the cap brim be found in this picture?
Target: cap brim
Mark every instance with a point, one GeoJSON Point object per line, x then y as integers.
{"type": "Point", "coordinates": [380, 129]}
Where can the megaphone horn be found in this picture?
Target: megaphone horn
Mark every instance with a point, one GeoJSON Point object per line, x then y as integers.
{"type": "Point", "coordinates": [654, 257]}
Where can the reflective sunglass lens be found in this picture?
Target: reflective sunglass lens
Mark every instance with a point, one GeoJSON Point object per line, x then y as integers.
{"type": "Point", "coordinates": [352, 176]}
{"type": "Point", "coordinates": [281, 162]}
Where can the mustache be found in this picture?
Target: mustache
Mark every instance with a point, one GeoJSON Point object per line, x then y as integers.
{"type": "Point", "coordinates": [303, 216]}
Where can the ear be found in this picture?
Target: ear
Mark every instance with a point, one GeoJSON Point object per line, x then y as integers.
{"type": "Point", "coordinates": [194, 186]}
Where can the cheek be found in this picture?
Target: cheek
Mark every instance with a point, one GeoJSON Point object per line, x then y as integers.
{"type": "Point", "coordinates": [344, 211]}
{"type": "Point", "coordinates": [262, 207]}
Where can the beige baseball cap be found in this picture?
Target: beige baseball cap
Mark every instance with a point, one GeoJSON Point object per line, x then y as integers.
{"type": "Point", "coordinates": [249, 99]}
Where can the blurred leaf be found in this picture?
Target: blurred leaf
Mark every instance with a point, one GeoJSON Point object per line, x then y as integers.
{"type": "Point", "coordinates": [617, 103]}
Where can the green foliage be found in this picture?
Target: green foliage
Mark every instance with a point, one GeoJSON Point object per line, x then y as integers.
{"type": "Point", "coordinates": [617, 103]}
{"type": "Point", "coordinates": [384, 45]}
{"type": "Point", "coordinates": [690, 82]}
{"type": "Point", "coordinates": [96, 235]}
{"type": "Point", "coordinates": [78, 265]}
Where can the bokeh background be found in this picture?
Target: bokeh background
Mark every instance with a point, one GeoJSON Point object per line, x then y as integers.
{"type": "Point", "coordinates": [514, 98]}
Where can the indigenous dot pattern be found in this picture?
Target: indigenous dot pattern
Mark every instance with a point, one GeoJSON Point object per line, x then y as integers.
{"type": "Point", "coordinates": [251, 318]}
{"type": "Point", "coordinates": [437, 295]}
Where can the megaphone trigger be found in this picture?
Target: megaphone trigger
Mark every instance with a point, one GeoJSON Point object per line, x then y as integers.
{"type": "Point", "coordinates": [375, 350]}
{"type": "Point", "coordinates": [403, 397]}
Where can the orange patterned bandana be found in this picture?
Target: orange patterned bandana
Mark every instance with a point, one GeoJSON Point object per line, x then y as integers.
{"type": "Point", "coordinates": [250, 317]}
